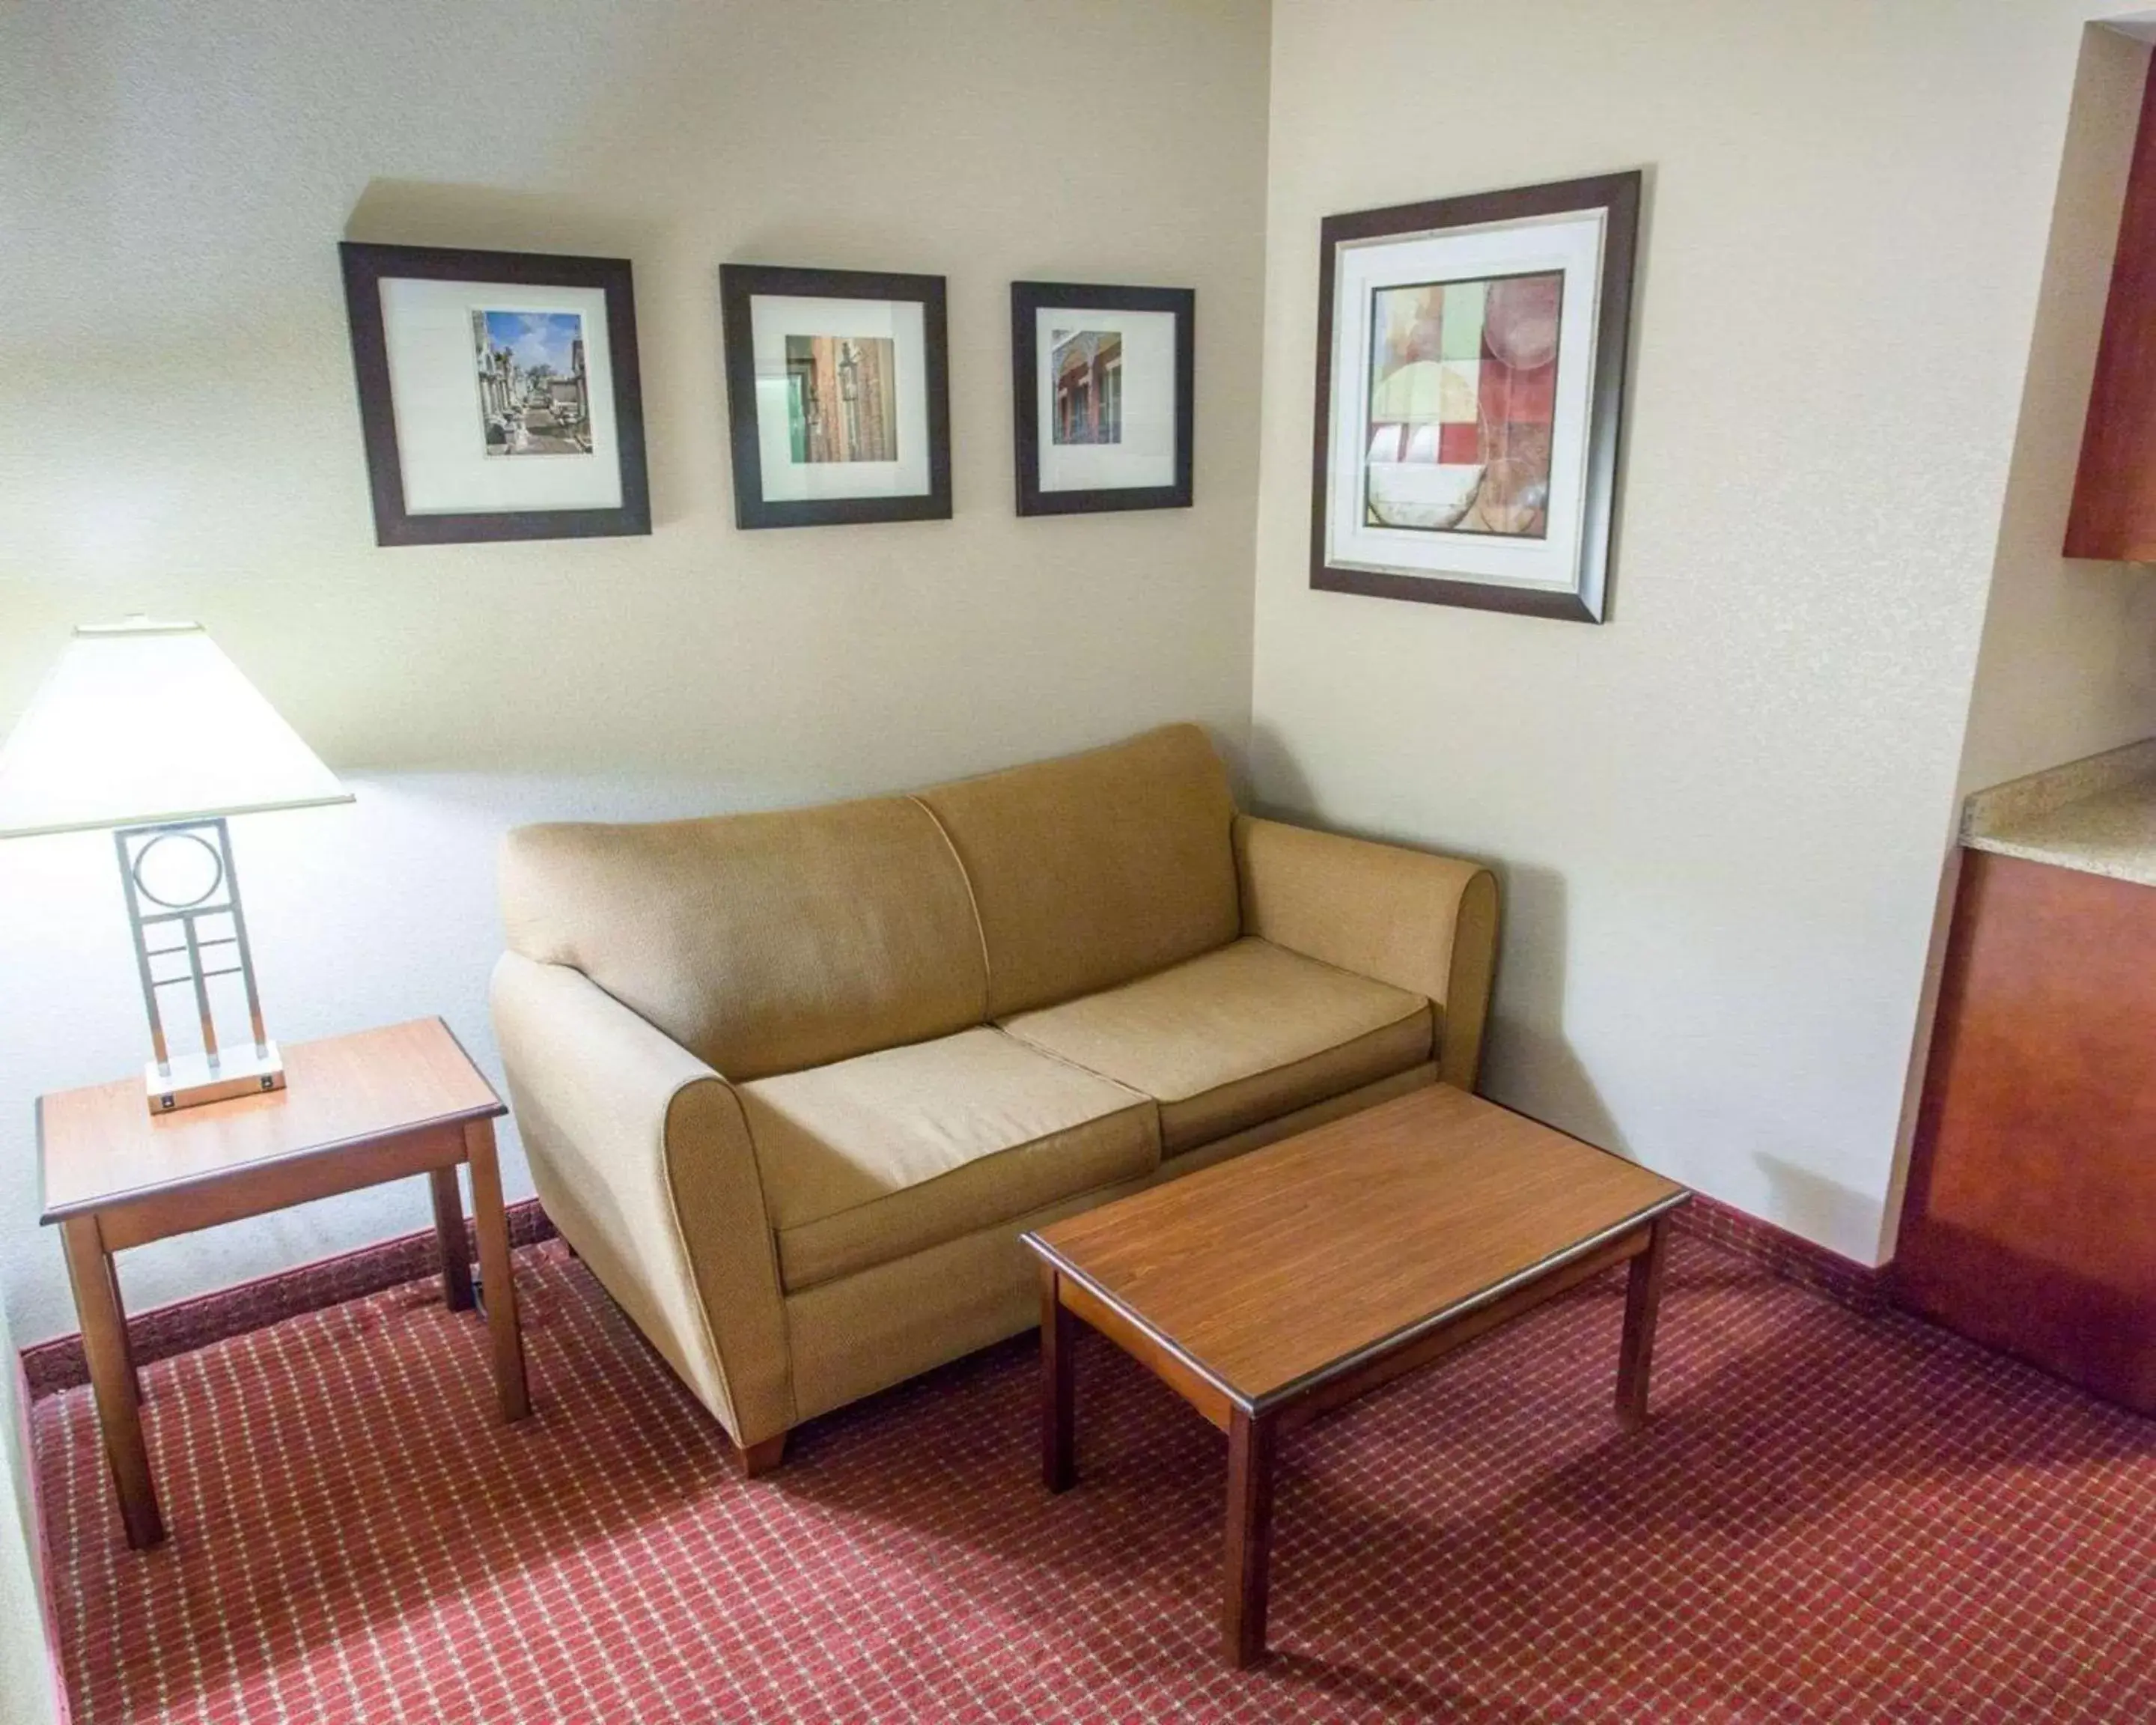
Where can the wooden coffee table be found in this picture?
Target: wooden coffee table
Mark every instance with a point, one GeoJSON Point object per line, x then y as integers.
{"type": "Point", "coordinates": [1274, 1287]}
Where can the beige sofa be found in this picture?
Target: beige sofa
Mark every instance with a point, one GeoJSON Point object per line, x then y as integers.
{"type": "Point", "coordinates": [792, 1084]}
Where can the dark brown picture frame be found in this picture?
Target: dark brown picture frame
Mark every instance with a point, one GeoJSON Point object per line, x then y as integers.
{"type": "Point", "coordinates": [1028, 299]}
{"type": "Point", "coordinates": [741, 283]}
{"type": "Point", "coordinates": [366, 266]}
{"type": "Point", "coordinates": [1619, 195]}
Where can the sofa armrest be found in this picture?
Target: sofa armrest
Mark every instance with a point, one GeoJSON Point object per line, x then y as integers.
{"type": "Point", "coordinates": [1425, 923]}
{"type": "Point", "coordinates": [642, 1158]}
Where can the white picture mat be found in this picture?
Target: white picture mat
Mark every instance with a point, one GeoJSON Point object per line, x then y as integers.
{"type": "Point", "coordinates": [1146, 455]}
{"type": "Point", "coordinates": [1570, 243]}
{"type": "Point", "coordinates": [772, 317]}
{"type": "Point", "coordinates": [433, 393]}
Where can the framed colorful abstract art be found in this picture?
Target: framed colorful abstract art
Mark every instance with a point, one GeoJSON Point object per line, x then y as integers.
{"type": "Point", "coordinates": [1101, 394]}
{"type": "Point", "coordinates": [837, 394]}
{"type": "Point", "coordinates": [498, 394]}
{"type": "Point", "coordinates": [1471, 383]}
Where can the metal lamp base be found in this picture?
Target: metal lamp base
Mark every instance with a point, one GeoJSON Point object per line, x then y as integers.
{"type": "Point", "coordinates": [194, 924]}
{"type": "Point", "coordinates": [188, 1081]}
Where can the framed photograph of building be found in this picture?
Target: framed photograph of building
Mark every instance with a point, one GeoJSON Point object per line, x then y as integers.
{"type": "Point", "coordinates": [837, 395]}
{"type": "Point", "coordinates": [1471, 385]}
{"type": "Point", "coordinates": [1102, 396]}
{"type": "Point", "coordinates": [498, 394]}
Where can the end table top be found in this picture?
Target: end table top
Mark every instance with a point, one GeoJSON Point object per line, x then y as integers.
{"type": "Point", "coordinates": [1273, 1270]}
{"type": "Point", "coordinates": [102, 1143]}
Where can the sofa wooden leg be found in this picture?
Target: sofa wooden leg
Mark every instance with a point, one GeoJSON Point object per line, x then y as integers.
{"type": "Point", "coordinates": [759, 1458]}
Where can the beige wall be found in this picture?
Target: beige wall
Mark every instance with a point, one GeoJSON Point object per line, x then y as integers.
{"type": "Point", "coordinates": [1721, 817]}
{"type": "Point", "coordinates": [27, 1690]}
{"type": "Point", "coordinates": [179, 435]}
{"type": "Point", "coordinates": [2067, 665]}
{"type": "Point", "coordinates": [182, 432]}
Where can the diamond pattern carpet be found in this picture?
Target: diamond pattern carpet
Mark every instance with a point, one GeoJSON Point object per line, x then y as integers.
{"type": "Point", "coordinates": [1832, 1517]}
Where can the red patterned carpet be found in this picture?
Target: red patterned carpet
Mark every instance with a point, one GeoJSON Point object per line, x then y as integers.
{"type": "Point", "coordinates": [1832, 1517]}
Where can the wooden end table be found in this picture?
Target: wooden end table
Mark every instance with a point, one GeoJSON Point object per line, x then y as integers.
{"type": "Point", "coordinates": [356, 1111]}
{"type": "Point", "coordinates": [1269, 1288]}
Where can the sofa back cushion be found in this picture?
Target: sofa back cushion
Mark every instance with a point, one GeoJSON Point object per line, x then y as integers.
{"type": "Point", "coordinates": [762, 943]}
{"type": "Point", "coordinates": [1098, 868]}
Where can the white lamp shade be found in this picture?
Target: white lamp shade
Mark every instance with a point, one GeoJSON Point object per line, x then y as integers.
{"type": "Point", "coordinates": [142, 722]}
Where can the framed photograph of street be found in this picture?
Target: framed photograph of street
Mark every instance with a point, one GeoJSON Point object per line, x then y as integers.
{"type": "Point", "coordinates": [498, 394]}
{"type": "Point", "coordinates": [837, 395]}
{"type": "Point", "coordinates": [1471, 385]}
{"type": "Point", "coordinates": [1102, 396]}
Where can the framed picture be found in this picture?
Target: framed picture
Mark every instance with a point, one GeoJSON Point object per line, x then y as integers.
{"type": "Point", "coordinates": [1471, 385]}
{"type": "Point", "coordinates": [837, 395]}
{"type": "Point", "coordinates": [1100, 396]}
{"type": "Point", "coordinates": [498, 394]}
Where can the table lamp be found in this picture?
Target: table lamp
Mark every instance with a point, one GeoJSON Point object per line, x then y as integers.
{"type": "Point", "coordinates": [146, 728]}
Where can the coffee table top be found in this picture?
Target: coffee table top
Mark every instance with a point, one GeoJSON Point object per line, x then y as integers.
{"type": "Point", "coordinates": [102, 1143]}
{"type": "Point", "coordinates": [1278, 1269]}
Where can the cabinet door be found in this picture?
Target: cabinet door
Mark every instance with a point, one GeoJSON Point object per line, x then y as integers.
{"type": "Point", "coordinates": [2114, 508]}
{"type": "Point", "coordinates": [2031, 1222]}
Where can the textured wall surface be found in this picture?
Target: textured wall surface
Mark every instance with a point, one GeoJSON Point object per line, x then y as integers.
{"type": "Point", "coordinates": [1721, 817]}
{"type": "Point", "coordinates": [2068, 666]}
{"type": "Point", "coordinates": [26, 1690]}
{"type": "Point", "coordinates": [181, 437]}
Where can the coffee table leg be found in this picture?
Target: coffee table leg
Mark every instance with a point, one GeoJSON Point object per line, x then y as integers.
{"type": "Point", "coordinates": [112, 1378]}
{"type": "Point", "coordinates": [1642, 1298]}
{"type": "Point", "coordinates": [456, 1245]}
{"type": "Point", "coordinates": [1250, 1443]}
{"type": "Point", "coordinates": [1058, 1388]}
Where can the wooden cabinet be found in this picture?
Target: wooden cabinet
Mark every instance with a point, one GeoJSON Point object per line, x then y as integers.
{"type": "Point", "coordinates": [2113, 512]}
{"type": "Point", "coordinates": [2114, 507]}
{"type": "Point", "coordinates": [2031, 1218]}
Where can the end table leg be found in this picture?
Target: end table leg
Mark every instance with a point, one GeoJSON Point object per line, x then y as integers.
{"type": "Point", "coordinates": [456, 1243]}
{"type": "Point", "coordinates": [1642, 1298]}
{"type": "Point", "coordinates": [112, 1378]}
{"type": "Point", "coordinates": [1250, 1443]}
{"type": "Point", "coordinates": [1059, 1386]}
{"type": "Point", "coordinates": [496, 1277]}
{"type": "Point", "coordinates": [135, 1391]}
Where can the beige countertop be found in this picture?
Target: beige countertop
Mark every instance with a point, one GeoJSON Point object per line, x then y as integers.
{"type": "Point", "coordinates": [2096, 816]}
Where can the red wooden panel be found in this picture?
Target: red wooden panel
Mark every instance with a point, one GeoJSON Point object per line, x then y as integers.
{"type": "Point", "coordinates": [2114, 508]}
{"type": "Point", "coordinates": [2031, 1222]}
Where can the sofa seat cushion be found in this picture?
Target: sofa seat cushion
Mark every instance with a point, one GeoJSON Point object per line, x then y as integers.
{"type": "Point", "coordinates": [886, 1154]}
{"type": "Point", "coordinates": [1236, 1036]}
